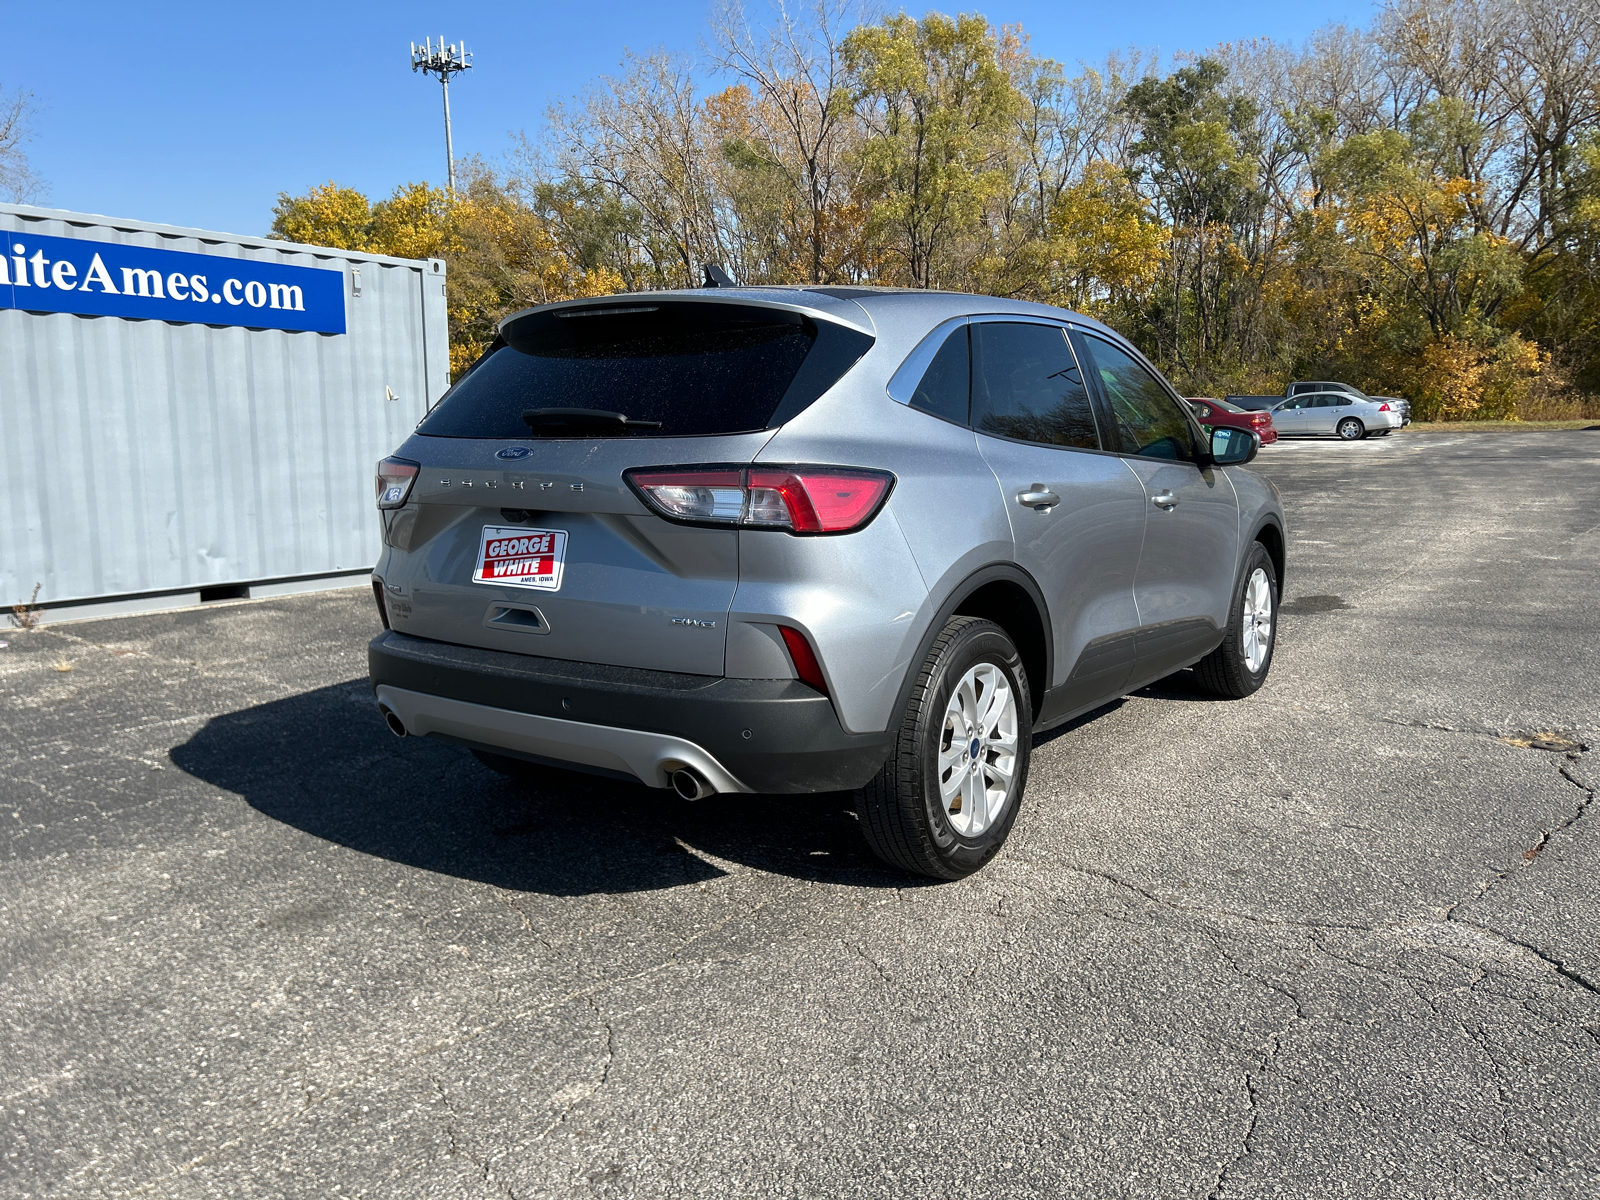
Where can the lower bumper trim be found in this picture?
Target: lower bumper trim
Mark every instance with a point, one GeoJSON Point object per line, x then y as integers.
{"type": "Point", "coordinates": [649, 757]}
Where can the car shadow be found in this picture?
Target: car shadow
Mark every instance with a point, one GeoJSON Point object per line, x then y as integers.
{"type": "Point", "coordinates": [323, 762]}
{"type": "Point", "coordinates": [1180, 685]}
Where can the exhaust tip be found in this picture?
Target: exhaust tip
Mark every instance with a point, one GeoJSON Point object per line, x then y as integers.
{"type": "Point", "coordinates": [690, 784]}
{"type": "Point", "coordinates": [395, 724]}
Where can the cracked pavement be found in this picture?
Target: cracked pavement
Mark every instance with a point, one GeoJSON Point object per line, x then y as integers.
{"type": "Point", "coordinates": [1339, 939]}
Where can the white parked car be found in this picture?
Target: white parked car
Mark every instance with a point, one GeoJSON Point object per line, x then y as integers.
{"type": "Point", "coordinates": [1336, 413]}
{"type": "Point", "coordinates": [1305, 387]}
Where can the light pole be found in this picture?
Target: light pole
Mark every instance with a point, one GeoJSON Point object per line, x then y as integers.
{"type": "Point", "coordinates": [443, 61]}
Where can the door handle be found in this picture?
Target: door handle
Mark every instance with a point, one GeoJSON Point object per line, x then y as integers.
{"type": "Point", "coordinates": [1165, 500]}
{"type": "Point", "coordinates": [1038, 497]}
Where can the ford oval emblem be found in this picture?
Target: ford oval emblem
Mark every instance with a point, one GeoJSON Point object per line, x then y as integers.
{"type": "Point", "coordinates": [513, 452]}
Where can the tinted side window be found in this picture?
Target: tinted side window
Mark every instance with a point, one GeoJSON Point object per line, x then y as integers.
{"type": "Point", "coordinates": [1329, 401]}
{"type": "Point", "coordinates": [1147, 419]}
{"type": "Point", "coordinates": [944, 386]}
{"type": "Point", "coordinates": [1026, 385]}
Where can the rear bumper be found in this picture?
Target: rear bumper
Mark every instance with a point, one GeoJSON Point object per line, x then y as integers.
{"type": "Point", "coordinates": [752, 735]}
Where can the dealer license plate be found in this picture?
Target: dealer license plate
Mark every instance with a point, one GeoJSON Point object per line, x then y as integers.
{"type": "Point", "coordinates": [515, 556]}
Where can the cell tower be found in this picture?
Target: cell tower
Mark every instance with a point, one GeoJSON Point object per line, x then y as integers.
{"type": "Point", "coordinates": [443, 61]}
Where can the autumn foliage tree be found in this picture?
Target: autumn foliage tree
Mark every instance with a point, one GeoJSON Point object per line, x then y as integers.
{"type": "Point", "coordinates": [501, 253]}
{"type": "Point", "coordinates": [1412, 207]}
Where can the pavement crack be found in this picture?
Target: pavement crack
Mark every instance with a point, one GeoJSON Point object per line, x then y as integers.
{"type": "Point", "coordinates": [1528, 856]}
{"type": "Point", "coordinates": [874, 964]}
{"type": "Point", "coordinates": [510, 902]}
{"type": "Point", "coordinates": [1558, 965]}
{"type": "Point", "coordinates": [1199, 910]}
{"type": "Point", "coordinates": [1252, 1088]}
{"type": "Point", "coordinates": [576, 1094]}
{"type": "Point", "coordinates": [457, 1150]}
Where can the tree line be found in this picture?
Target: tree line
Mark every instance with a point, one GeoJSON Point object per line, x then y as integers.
{"type": "Point", "coordinates": [1412, 207]}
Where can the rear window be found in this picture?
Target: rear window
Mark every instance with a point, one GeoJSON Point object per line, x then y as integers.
{"type": "Point", "coordinates": [672, 369]}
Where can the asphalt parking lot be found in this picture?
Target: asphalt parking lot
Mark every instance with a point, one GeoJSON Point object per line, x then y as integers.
{"type": "Point", "coordinates": [1339, 939]}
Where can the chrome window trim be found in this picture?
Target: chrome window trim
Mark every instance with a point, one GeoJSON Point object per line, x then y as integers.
{"type": "Point", "coordinates": [902, 385]}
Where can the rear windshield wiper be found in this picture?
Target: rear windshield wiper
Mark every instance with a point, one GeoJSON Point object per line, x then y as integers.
{"type": "Point", "coordinates": [585, 420]}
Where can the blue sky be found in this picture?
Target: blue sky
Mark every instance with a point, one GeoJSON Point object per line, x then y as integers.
{"type": "Point", "coordinates": [200, 114]}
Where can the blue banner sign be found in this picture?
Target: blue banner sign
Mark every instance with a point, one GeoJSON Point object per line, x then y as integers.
{"type": "Point", "coordinates": [108, 279]}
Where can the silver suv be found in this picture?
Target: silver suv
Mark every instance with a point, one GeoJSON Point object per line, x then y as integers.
{"type": "Point", "coordinates": [813, 539]}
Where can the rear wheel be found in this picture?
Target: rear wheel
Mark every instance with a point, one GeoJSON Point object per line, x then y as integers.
{"type": "Point", "coordinates": [1352, 430]}
{"type": "Point", "coordinates": [944, 802]}
{"type": "Point", "coordinates": [1239, 666]}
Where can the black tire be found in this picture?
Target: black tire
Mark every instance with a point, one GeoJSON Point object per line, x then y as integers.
{"type": "Point", "coordinates": [1351, 430]}
{"type": "Point", "coordinates": [1226, 670]}
{"type": "Point", "coordinates": [901, 812]}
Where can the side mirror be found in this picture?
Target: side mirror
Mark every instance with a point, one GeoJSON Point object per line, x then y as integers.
{"type": "Point", "coordinates": [1233, 447]}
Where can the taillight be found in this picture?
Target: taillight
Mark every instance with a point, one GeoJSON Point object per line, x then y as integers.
{"type": "Point", "coordinates": [395, 477]}
{"type": "Point", "coordinates": [805, 658]}
{"type": "Point", "coordinates": [1383, 408]}
{"type": "Point", "coordinates": [794, 499]}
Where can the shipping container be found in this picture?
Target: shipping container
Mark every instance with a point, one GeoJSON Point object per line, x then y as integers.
{"type": "Point", "coordinates": [185, 412]}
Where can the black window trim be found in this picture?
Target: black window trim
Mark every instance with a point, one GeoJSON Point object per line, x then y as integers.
{"type": "Point", "coordinates": [1103, 402]}
{"type": "Point", "coordinates": [1077, 359]}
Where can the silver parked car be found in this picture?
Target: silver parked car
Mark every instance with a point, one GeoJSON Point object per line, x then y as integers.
{"type": "Point", "coordinates": [1396, 403]}
{"type": "Point", "coordinates": [813, 539]}
{"type": "Point", "coordinates": [1337, 413]}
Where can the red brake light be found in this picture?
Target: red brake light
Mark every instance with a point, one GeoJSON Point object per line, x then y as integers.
{"type": "Point", "coordinates": [1383, 408]}
{"type": "Point", "coordinates": [805, 659]}
{"type": "Point", "coordinates": [824, 501]}
{"type": "Point", "coordinates": [796, 499]}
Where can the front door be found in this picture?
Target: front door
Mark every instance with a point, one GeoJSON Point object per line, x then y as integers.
{"type": "Point", "coordinates": [1290, 416]}
{"type": "Point", "coordinates": [1185, 578]}
{"type": "Point", "coordinates": [1077, 515]}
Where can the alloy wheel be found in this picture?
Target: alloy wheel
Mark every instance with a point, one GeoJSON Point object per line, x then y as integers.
{"type": "Point", "coordinates": [978, 750]}
{"type": "Point", "coordinates": [1257, 631]}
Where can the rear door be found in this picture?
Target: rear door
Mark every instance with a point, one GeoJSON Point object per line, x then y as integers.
{"type": "Point", "coordinates": [521, 532]}
{"type": "Point", "coordinates": [1325, 410]}
{"type": "Point", "coordinates": [1185, 576]}
{"type": "Point", "coordinates": [1343, 405]}
{"type": "Point", "coordinates": [1077, 515]}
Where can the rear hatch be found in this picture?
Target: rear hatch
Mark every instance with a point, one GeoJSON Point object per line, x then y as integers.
{"type": "Point", "coordinates": [520, 532]}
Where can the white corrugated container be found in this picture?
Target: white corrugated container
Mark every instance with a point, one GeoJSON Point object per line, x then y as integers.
{"type": "Point", "coordinates": [143, 457]}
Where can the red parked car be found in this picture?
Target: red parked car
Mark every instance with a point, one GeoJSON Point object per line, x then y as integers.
{"type": "Point", "coordinates": [1220, 412]}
